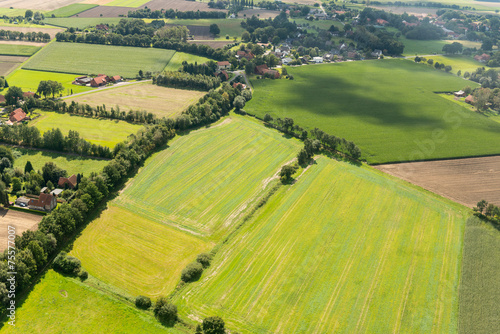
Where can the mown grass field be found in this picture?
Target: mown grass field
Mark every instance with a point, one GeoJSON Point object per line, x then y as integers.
{"type": "Point", "coordinates": [103, 132]}
{"type": "Point", "coordinates": [479, 287]}
{"type": "Point", "coordinates": [345, 249]}
{"type": "Point", "coordinates": [79, 309]}
{"type": "Point", "coordinates": [227, 27]}
{"type": "Point", "coordinates": [418, 47]}
{"type": "Point", "coordinates": [29, 80]}
{"type": "Point", "coordinates": [82, 22]}
{"type": "Point", "coordinates": [161, 101]}
{"type": "Point", "coordinates": [393, 113]}
{"type": "Point", "coordinates": [461, 63]}
{"type": "Point", "coordinates": [127, 3]}
{"type": "Point", "coordinates": [95, 59]}
{"type": "Point", "coordinates": [70, 10]}
{"type": "Point", "coordinates": [176, 61]}
{"type": "Point", "coordinates": [72, 164]}
{"type": "Point", "coordinates": [205, 181]}
{"type": "Point", "coordinates": [135, 254]}
{"type": "Point", "coordinates": [18, 50]}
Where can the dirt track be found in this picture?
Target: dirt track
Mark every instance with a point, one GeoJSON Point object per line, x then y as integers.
{"type": "Point", "coordinates": [20, 220]}
{"type": "Point", "coordinates": [466, 181]}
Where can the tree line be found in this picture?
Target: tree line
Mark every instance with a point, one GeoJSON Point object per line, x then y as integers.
{"type": "Point", "coordinates": [144, 13]}
{"type": "Point", "coordinates": [24, 36]}
{"type": "Point", "coordinates": [488, 211]}
{"type": "Point", "coordinates": [186, 80]}
{"type": "Point", "coordinates": [208, 68]}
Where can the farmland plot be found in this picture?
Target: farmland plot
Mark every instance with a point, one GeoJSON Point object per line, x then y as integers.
{"type": "Point", "coordinates": [21, 221]}
{"type": "Point", "coordinates": [10, 63]}
{"type": "Point", "coordinates": [29, 80]}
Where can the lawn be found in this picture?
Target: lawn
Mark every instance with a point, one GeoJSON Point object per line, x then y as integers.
{"type": "Point", "coordinates": [72, 164]}
{"type": "Point", "coordinates": [462, 63]}
{"type": "Point", "coordinates": [479, 310]}
{"type": "Point", "coordinates": [94, 59]}
{"type": "Point", "coordinates": [135, 254]}
{"type": "Point", "coordinates": [205, 181]}
{"type": "Point", "coordinates": [161, 101]}
{"type": "Point", "coordinates": [70, 10]}
{"type": "Point", "coordinates": [127, 3]}
{"type": "Point", "coordinates": [82, 22]}
{"type": "Point", "coordinates": [29, 81]}
{"type": "Point", "coordinates": [18, 50]}
{"type": "Point", "coordinates": [103, 132]}
{"type": "Point", "coordinates": [387, 107]}
{"type": "Point", "coordinates": [176, 61]}
{"type": "Point", "coordinates": [79, 308]}
{"type": "Point", "coordinates": [345, 249]}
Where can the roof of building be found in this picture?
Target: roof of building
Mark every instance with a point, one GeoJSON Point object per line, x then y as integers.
{"type": "Point", "coordinates": [99, 80]}
{"type": "Point", "coordinates": [223, 63]}
{"type": "Point", "coordinates": [72, 180]}
{"type": "Point", "coordinates": [42, 201]}
{"type": "Point", "coordinates": [117, 77]}
{"type": "Point", "coordinates": [56, 192]}
{"type": "Point", "coordinates": [17, 115]}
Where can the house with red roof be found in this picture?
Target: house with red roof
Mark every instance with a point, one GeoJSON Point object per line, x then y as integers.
{"type": "Point", "coordinates": [98, 81]}
{"type": "Point", "coordinates": [46, 202]}
{"type": "Point", "coordinates": [382, 22]}
{"type": "Point", "coordinates": [17, 116]}
{"type": "Point", "coordinates": [223, 65]}
{"type": "Point", "coordinates": [69, 182]}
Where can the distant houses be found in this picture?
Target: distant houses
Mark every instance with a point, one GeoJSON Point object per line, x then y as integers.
{"type": "Point", "coordinates": [98, 81]}
{"type": "Point", "coordinates": [223, 65]}
{"type": "Point", "coordinates": [265, 71]}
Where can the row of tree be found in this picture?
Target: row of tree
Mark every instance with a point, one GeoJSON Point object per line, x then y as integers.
{"type": "Point", "coordinates": [208, 68]}
{"type": "Point", "coordinates": [24, 36]}
{"type": "Point", "coordinates": [175, 14]}
{"type": "Point", "coordinates": [186, 80]}
{"type": "Point", "coordinates": [489, 211]}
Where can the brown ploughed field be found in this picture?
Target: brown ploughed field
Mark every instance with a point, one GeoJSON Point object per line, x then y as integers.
{"type": "Point", "coordinates": [22, 221]}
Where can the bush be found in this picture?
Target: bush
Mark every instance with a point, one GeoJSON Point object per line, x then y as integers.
{"type": "Point", "coordinates": [165, 311]}
{"type": "Point", "coordinates": [213, 325]}
{"type": "Point", "coordinates": [83, 274]}
{"type": "Point", "coordinates": [192, 272]}
{"type": "Point", "coordinates": [68, 265]}
{"type": "Point", "coordinates": [204, 259]}
{"type": "Point", "coordinates": [143, 302]}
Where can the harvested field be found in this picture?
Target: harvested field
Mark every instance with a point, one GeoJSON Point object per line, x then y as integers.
{"type": "Point", "coordinates": [37, 4]}
{"type": "Point", "coordinates": [466, 181]}
{"type": "Point", "coordinates": [261, 13]}
{"type": "Point", "coordinates": [51, 31]}
{"type": "Point", "coordinates": [7, 42]}
{"type": "Point", "coordinates": [96, 2]}
{"type": "Point", "coordinates": [180, 5]}
{"type": "Point", "coordinates": [161, 101]}
{"type": "Point", "coordinates": [10, 63]}
{"type": "Point", "coordinates": [22, 221]}
{"type": "Point", "coordinates": [213, 44]}
{"type": "Point", "coordinates": [127, 3]}
{"type": "Point", "coordinates": [105, 11]}
{"type": "Point", "coordinates": [70, 10]}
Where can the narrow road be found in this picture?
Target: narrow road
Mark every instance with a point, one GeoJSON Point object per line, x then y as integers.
{"type": "Point", "coordinates": [244, 75]}
{"type": "Point", "coordinates": [98, 89]}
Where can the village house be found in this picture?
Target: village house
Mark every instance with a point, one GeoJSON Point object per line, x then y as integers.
{"type": "Point", "coordinates": [484, 58]}
{"type": "Point", "coordinates": [46, 202]}
{"type": "Point", "coordinates": [382, 22]}
{"type": "Point", "coordinates": [67, 182]}
{"type": "Point", "coordinates": [286, 61]}
{"type": "Point", "coordinates": [56, 192]}
{"type": "Point", "coordinates": [222, 75]}
{"type": "Point", "coordinates": [264, 70]}
{"type": "Point", "coordinates": [239, 84]}
{"type": "Point", "coordinates": [469, 99]}
{"type": "Point", "coordinates": [114, 79]}
{"type": "Point", "coordinates": [84, 80]}
{"type": "Point", "coordinates": [376, 53]}
{"type": "Point", "coordinates": [317, 60]}
{"type": "Point", "coordinates": [245, 54]}
{"type": "Point", "coordinates": [17, 116]}
{"type": "Point", "coordinates": [98, 81]}
{"type": "Point", "coordinates": [223, 65]}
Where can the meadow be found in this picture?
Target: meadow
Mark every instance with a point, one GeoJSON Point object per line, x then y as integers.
{"type": "Point", "coordinates": [79, 308]}
{"type": "Point", "coordinates": [176, 61]}
{"type": "Point", "coordinates": [72, 164]}
{"type": "Point", "coordinates": [161, 101]}
{"type": "Point", "coordinates": [29, 81]}
{"type": "Point", "coordinates": [227, 27]}
{"type": "Point", "coordinates": [206, 180]}
{"type": "Point", "coordinates": [70, 10]}
{"type": "Point", "coordinates": [126, 3]}
{"type": "Point", "coordinates": [81, 22]}
{"type": "Point", "coordinates": [18, 50]}
{"type": "Point", "coordinates": [392, 114]}
{"type": "Point", "coordinates": [345, 249]}
{"type": "Point", "coordinates": [462, 63]}
{"type": "Point", "coordinates": [135, 254]}
{"type": "Point", "coordinates": [419, 47]}
{"type": "Point", "coordinates": [479, 293]}
{"type": "Point", "coordinates": [103, 132]}
{"type": "Point", "coordinates": [94, 59]}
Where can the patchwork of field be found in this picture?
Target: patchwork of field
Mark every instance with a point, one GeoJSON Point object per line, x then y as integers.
{"type": "Point", "coordinates": [94, 59]}
{"type": "Point", "coordinates": [176, 61]}
{"type": "Point", "coordinates": [103, 132]}
{"type": "Point", "coordinates": [161, 101]}
{"type": "Point", "coordinates": [230, 27]}
{"type": "Point", "coordinates": [10, 63]}
{"type": "Point", "coordinates": [135, 254]}
{"type": "Point", "coordinates": [182, 6]}
{"type": "Point", "coordinates": [126, 3]}
{"type": "Point", "coordinates": [43, 5]}
{"type": "Point", "coordinates": [81, 309]}
{"type": "Point", "coordinates": [22, 221]}
{"type": "Point", "coordinates": [70, 10]}
{"type": "Point", "coordinates": [466, 181]}
{"type": "Point", "coordinates": [81, 22]}
{"type": "Point", "coordinates": [479, 291]}
{"type": "Point", "coordinates": [205, 181]}
{"type": "Point", "coordinates": [337, 252]}
{"type": "Point", "coordinates": [390, 117]}
{"type": "Point", "coordinates": [73, 164]}
{"type": "Point", "coordinates": [16, 49]}
{"type": "Point", "coordinates": [29, 81]}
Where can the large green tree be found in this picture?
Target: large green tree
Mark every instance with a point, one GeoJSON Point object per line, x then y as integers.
{"type": "Point", "coordinates": [13, 95]}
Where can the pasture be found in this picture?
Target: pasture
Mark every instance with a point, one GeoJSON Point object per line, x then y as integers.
{"type": "Point", "coordinates": [392, 114]}
{"type": "Point", "coordinates": [94, 59]}
{"type": "Point", "coordinates": [204, 183]}
{"type": "Point", "coordinates": [345, 249]}
{"type": "Point", "coordinates": [80, 309]}
{"type": "Point", "coordinates": [479, 292]}
{"type": "Point", "coordinates": [71, 163]}
{"type": "Point", "coordinates": [8, 49]}
{"type": "Point", "coordinates": [230, 27]}
{"type": "Point", "coordinates": [81, 22]}
{"type": "Point", "coordinates": [161, 101]}
{"type": "Point", "coordinates": [70, 10]}
{"type": "Point", "coordinates": [29, 80]}
{"type": "Point", "coordinates": [103, 132]}
{"type": "Point", "coordinates": [462, 63]}
{"type": "Point", "coordinates": [466, 181]}
{"type": "Point", "coordinates": [22, 221]}
{"type": "Point", "coordinates": [36, 5]}
{"type": "Point", "coordinates": [135, 254]}
{"type": "Point", "coordinates": [176, 61]}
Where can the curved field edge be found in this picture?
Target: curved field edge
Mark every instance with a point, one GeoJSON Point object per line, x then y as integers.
{"type": "Point", "coordinates": [339, 250]}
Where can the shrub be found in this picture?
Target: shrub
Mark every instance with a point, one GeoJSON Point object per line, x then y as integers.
{"type": "Point", "coordinates": [165, 311]}
{"type": "Point", "coordinates": [192, 272]}
{"type": "Point", "coordinates": [143, 302]}
{"type": "Point", "coordinates": [213, 325]}
{"type": "Point", "coordinates": [65, 264]}
{"type": "Point", "coordinates": [204, 259]}
{"type": "Point", "coordinates": [83, 274]}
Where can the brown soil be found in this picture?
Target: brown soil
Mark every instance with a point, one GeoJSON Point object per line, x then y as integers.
{"type": "Point", "coordinates": [466, 181]}
{"type": "Point", "coordinates": [9, 63]}
{"type": "Point", "coordinates": [20, 220]}
{"type": "Point", "coordinates": [22, 43]}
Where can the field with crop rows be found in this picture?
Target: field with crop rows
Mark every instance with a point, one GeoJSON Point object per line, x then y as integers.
{"type": "Point", "coordinates": [82, 22]}
{"type": "Point", "coordinates": [95, 59]}
{"type": "Point", "coordinates": [18, 49]}
{"type": "Point", "coordinates": [393, 113]}
{"type": "Point", "coordinates": [204, 181]}
{"type": "Point", "coordinates": [345, 249]}
{"type": "Point", "coordinates": [103, 132]}
{"type": "Point", "coordinates": [29, 81]}
{"type": "Point", "coordinates": [70, 10]}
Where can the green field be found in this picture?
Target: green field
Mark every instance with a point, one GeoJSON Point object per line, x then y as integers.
{"type": "Point", "coordinates": [135, 254]}
{"type": "Point", "coordinates": [205, 181]}
{"type": "Point", "coordinates": [18, 50]}
{"type": "Point", "coordinates": [344, 250]}
{"type": "Point", "coordinates": [94, 59]}
{"type": "Point", "coordinates": [230, 27]}
{"type": "Point", "coordinates": [70, 10]}
{"type": "Point", "coordinates": [82, 22]}
{"type": "Point", "coordinates": [29, 80]}
{"type": "Point", "coordinates": [127, 3]}
{"type": "Point", "coordinates": [79, 308]}
{"type": "Point", "coordinates": [176, 61]}
{"type": "Point", "coordinates": [72, 164]}
{"type": "Point", "coordinates": [12, 11]}
{"type": "Point", "coordinates": [417, 47]}
{"type": "Point", "coordinates": [479, 287]}
{"type": "Point", "coordinates": [388, 108]}
{"type": "Point", "coordinates": [461, 63]}
{"type": "Point", "coordinates": [103, 132]}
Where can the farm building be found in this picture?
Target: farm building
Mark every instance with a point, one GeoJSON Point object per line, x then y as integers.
{"type": "Point", "coordinates": [84, 80]}
{"type": "Point", "coordinates": [261, 69]}
{"type": "Point", "coordinates": [114, 79]}
{"type": "Point", "coordinates": [56, 192]}
{"type": "Point", "coordinates": [22, 201]}
{"type": "Point", "coordinates": [98, 81]}
{"type": "Point", "coordinates": [46, 202]}
{"type": "Point", "coordinates": [223, 65]}
{"type": "Point", "coordinates": [469, 99]}
{"type": "Point", "coordinates": [69, 182]}
{"type": "Point", "coordinates": [17, 116]}
{"type": "Point", "coordinates": [245, 54]}
{"type": "Point", "coordinates": [460, 93]}
{"type": "Point", "coordinates": [317, 60]}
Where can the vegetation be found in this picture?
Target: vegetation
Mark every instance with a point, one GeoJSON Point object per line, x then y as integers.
{"type": "Point", "coordinates": [69, 10]}
{"type": "Point", "coordinates": [18, 50]}
{"type": "Point", "coordinates": [179, 57]}
{"type": "Point", "coordinates": [282, 258]}
{"type": "Point", "coordinates": [186, 80]}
